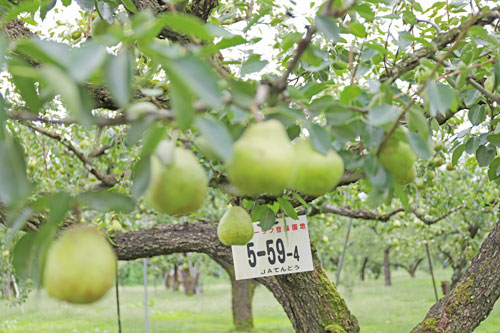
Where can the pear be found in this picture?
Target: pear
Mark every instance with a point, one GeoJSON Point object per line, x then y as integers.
{"type": "Point", "coordinates": [235, 227]}
{"type": "Point", "coordinates": [316, 173]}
{"type": "Point", "coordinates": [178, 188]}
{"type": "Point", "coordinates": [80, 266]}
{"type": "Point", "coordinates": [263, 160]}
{"type": "Point", "coordinates": [397, 157]}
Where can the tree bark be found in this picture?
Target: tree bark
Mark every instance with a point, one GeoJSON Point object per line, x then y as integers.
{"type": "Point", "coordinates": [413, 268]}
{"type": "Point", "coordinates": [473, 297]}
{"type": "Point", "coordinates": [387, 266]}
{"type": "Point", "coordinates": [363, 269]}
{"type": "Point", "coordinates": [310, 300]}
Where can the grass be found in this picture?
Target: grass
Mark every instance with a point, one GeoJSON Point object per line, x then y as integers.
{"type": "Point", "coordinates": [378, 309]}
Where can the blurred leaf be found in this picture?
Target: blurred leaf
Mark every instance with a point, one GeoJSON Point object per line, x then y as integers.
{"type": "Point", "coordinates": [86, 5]}
{"type": "Point", "coordinates": [217, 135]}
{"type": "Point", "coordinates": [25, 84]}
{"type": "Point", "coordinates": [107, 201]}
{"type": "Point", "coordinates": [383, 114]}
{"type": "Point", "coordinates": [85, 60]}
{"type": "Point", "coordinates": [182, 100]}
{"type": "Point", "coordinates": [119, 77]}
{"type": "Point", "coordinates": [440, 97]}
{"type": "Point", "coordinates": [267, 219]}
{"type": "Point", "coordinates": [477, 114]}
{"type": "Point", "coordinates": [287, 207]}
{"type": "Point", "coordinates": [417, 122]}
{"type": "Point", "coordinates": [199, 77]}
{"type": "Point", "coordinates": [459, 150]}
{"type": "Point", "coordinates": [253, 64]}
{"type": "Point", "coordinates": [485, 154]}
{"type": "Point", "coordinates": [151, 139]}
{"type": "Point", "coordinates": [106, 10]}
{"type": "Point", "coordinates": [357, 29]}
{"type": "Point", "coordinates": [129, 4]}
{"type": "Point", "coordinates": [375, 172]}
{"type": "Point", "coordinates": [300, 199]}
{"type": "Point", "coordinates": [494, 139]}
{"type": "Point", "coordinates": [320, 138]}
{"type": "Point", "coordinates": [420, 146]}
{"type": "Point", "coordinates": [137, 129]}
{"type": "Point", "coordinates": [494, 169]}
{"type": "Point", "coordinates": [186, 25]}
{"type": "Point", "coordinates": [400, 192]}
{"type": "Point", "coordinates": [141, 176]}
{"type": "Point", "coordinates": [3, 118]}
{"type": "Point", "coordinates": [14, 184]}
{"type": "Point", "coordinates": [328, 27]}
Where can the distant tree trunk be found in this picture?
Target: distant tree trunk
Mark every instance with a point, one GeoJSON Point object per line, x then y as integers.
{"type": "Point", "coordinates": [412, 269]}
{"type": "Point", "coordinates": [387, 266]}
{"type": "Point", "coordinates": [445, 287]}
{"type": "Point", "coordinates": [363, 269]}
{"type": "Point", "coordinates": [310, 300]}
{"type": "Point", "coordinates": [190, 278]}
{"type": "Point", "coordinates": [474, 295]}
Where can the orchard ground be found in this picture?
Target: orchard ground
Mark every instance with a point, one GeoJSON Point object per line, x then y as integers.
{"type": "Point", "coordinates": [378, 308]}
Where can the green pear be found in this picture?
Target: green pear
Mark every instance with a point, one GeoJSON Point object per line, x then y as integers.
{"type": "Point", "coordinates": [397, 157]}
{"type": "Point", "coordinates": [80, 266]}
{"type": "Point", "coordinates": [235, 227]}
{"type": "Point", "coordinates": [316, 173]}
{"type": "Point", "coordinates": [206, 148]}
{"type": "Point", "coordinates": [263, 160]}
{"type": "Point", "coordinates": [178, 188]}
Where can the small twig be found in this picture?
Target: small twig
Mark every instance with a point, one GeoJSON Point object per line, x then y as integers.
{"type": "Point", "coordinates": [480, 88]}
{"type": "Point", "coordinates": [434, 25]}
{"type": "Point", "coordinates": [107, 180]}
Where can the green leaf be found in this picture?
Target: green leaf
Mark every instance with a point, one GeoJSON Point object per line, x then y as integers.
{"type": "Point", "coordinates": [141, 176]}
{"type": "Point", "coordinates": [485, 154]}
{"type": "Point", "coordinates": [85, 60]}
{"type": "Point", "coordinates": [328, 27]}
{"type": "Point", "coordinates": [420, 146]}
{"type": "Point", "coordinates": [119, 77]}
{"type": "Point", "coordinates": [14, 184]}
{"type": "Point", "coordinates": [383, 114]}
{"type": "Point", "coordinates": [129, 4]}
{"type": "Point", "coordinates": [400, 192]}
{"type": "Point", "coordinates": [417, 122]}
{"type": "Point", "coordinates": [253, 64]}
{"type": "Point", "coordinates": [375, 172]}
{"type": "Point", "coordinates": [106, 200]}
{"type": "Point", "coordinates": [257, 212]}
{"type": "Point", "coordinates": [267, 218]}
{"type": "Point", "coordinates": [477, 114]}
{"type": "Point", "coordinates": [320, 138]}
{"type": "Point", "coordinates": [86, 5]}
{"type": "Point", "coordinates": [494, 169]}
{"type": "Point", "coordinates": [441, 98]}
{"type": "Point", "coordinates": [151, 139]}
{"type": "Point", "coordinates": [364, 10]}
{"type": "Point", "coordinates": [287, 207]}
{"type": "Point", "coordinates": [3, 118]}
{"type": "Point", "coordinates": [198, 76]}
{"type": "Point", "coordinates": [106, 10]}
{"type": "Point", "coordinates": [182, 100]}
{"type": "Point", "coordinates": [357, 29]}
{"type": "Point", "coordinates": [496, 73]}
{"type": "Point", "coordinates": [25, 84]}
{"type": "Point", "coordinates": [217, 135]}
{"type": "Point", "coordinates": [459, 150]}
{"type": "Point", "coordinates": [186, 25]}
{"type": "Point", "coordinates": [300, 199]}
{"type": "Point", "coordinates": [494, 139]}
{"type": "Point", "coordinates": [349, 94]}
{"type": "Point", "coordinates": [472, 144]}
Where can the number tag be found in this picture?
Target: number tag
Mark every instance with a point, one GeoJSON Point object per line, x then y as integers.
{"type": "Point", "coordinates": [283, 249]}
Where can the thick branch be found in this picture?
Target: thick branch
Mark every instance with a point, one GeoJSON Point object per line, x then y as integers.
{"type": "Point", "coordinates": [309, 298]}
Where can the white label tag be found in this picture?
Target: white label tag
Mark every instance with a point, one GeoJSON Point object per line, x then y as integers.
{"type": "Point", "coordinates": [279, 250]}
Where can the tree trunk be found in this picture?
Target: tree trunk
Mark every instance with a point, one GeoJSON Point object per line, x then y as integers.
{"type": "Point", "coordinates": [474, 295]}
{"type": "Point", "coordinates": [363, 269]}
{"type": "Point", "coordinates": [387, 267]}
{"type": "Point", "coordinates": [413, 268]}
{"type": "Point", "coordinates": [310, 300]}
{"type": "Point", "coordinates": [242, 292]}
{"type": "Point", "coordinates": [190, 278]}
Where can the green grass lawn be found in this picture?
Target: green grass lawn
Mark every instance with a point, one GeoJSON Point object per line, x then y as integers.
{"type": "Point", "coordinates": [378, 309]}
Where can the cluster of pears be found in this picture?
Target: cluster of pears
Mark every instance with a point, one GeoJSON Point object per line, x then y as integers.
{"type": "Point", "coordinates": [235, 227]}
{"type": "Point", "coordinates": [80, 266]}
{"type": "Point", "coordinates": [265, 161]}
{"type": "Point", "coordinates": [398, 157]}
